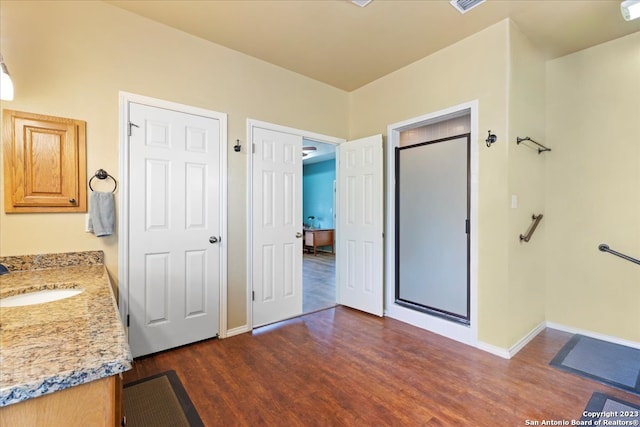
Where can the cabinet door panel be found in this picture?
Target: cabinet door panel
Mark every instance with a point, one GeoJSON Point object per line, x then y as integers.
{"type": "Point", "coordinates": [44, 163]}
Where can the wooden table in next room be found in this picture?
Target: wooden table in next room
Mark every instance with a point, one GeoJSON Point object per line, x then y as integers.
{"type": "Point", "coordinates": [314, 237]}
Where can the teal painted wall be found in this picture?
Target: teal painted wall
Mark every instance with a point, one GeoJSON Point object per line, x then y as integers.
{"type": "Point", "coordinates": [317, 192]}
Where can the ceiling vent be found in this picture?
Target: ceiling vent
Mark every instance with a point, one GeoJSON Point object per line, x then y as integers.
{"type": "Point", "coordinates": [464, 6]}
{"type": "Point", "coordinates": [361, 3]}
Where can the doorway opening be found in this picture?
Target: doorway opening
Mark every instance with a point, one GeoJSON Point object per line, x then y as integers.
{"type": "Point", "coordinates": [319, 218]}
{"type": "Point", "coordinates": [275, 223]}
{"type": "Point", "coordinates": [277, 232]}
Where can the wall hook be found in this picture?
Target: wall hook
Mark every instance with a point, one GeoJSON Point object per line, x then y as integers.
{"type": "Point", "coordinates": [491, 139]}
{"type": "Point", "coordinates": [237, 147]}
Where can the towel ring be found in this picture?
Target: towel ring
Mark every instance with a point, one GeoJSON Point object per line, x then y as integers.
{"type": "Point", "coordinates": [102, 174]}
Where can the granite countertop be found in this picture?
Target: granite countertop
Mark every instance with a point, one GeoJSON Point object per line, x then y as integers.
{"type": "Point", "coordinates": [53, 346]}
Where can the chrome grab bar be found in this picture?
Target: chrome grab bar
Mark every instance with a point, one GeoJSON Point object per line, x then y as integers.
{"type": "Point", "coordinates": [605, 248]}
{"type": "Point", "coordinates": [532, 228]}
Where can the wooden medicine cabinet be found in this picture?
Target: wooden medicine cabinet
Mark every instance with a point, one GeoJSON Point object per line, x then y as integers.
{"type": "Point", "coordinates": [44, 163]}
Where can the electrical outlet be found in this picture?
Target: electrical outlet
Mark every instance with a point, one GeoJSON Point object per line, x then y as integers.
{"type": "Point", "coordinates": [86, 223]}
{"type": "Point", "coordinates": [514, 201]}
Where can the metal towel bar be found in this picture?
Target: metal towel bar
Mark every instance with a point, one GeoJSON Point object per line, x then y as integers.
{"type": "Point", "coordinates": [605, 248]}
{"type": "Point", "coordinates": [532, 228]}
{"type": "Point", "coordinates": [526, 138]}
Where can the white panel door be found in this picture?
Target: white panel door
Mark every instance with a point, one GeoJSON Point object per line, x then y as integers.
{"type": "Point", "coordinates": [360, 225]}
{"type": "Point", "coordinates": [277, 226]}
{"type": "Point", "coordinates": [174, 248]}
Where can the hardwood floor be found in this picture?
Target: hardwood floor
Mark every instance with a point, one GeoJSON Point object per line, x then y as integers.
{"type": "Point", "coordinates": [319, 281]}
{"type": "Point", "coordinates": [341, 367]}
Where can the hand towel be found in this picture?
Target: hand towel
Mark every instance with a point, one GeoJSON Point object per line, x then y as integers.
{"type": "Point", "coordinates": [101, 213]}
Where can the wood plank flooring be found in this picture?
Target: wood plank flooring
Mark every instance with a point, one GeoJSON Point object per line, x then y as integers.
{"type": "Point", "coordinates": [341, 367]}
{"type": "Point", "coordinates": [318, 281]}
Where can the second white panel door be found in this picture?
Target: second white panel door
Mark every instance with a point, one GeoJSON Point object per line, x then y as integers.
{"type": "Point", "coordinates": [277, 226]}
{"type": "Point", "coordinates": [360, 225]}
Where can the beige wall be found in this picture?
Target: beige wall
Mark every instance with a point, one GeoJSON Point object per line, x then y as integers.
{"type": "Point", "coordinates": [475, 68]}
{"type": "Point", "coordinates": [593, 188]}
{"type": "Point", "coordinates": [588, 100]}
{"type": "Point", "coordinates": [526, 290]}
{"type": "Point", "coordinates": [71, 59]}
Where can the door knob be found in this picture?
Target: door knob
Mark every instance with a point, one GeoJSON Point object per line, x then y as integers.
{"type": "Point", "coordinates": [298, 235]}
{"type": "Point", "coordinates": [213, 239]}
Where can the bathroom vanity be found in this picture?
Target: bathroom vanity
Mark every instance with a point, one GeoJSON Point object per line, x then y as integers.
{"type": "Point", "coordinates": [61, 360]}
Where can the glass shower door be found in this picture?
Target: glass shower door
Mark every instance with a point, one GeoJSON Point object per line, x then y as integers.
{"type": "Point", "coordinates": [432, 227]}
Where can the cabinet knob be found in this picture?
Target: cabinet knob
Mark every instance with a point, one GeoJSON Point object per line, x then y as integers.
{"type": "Point", "coordinates": [72, 201]}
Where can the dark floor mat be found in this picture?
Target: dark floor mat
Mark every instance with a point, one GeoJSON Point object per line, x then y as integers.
{"type": "Point", "coordinates": [612, 364]}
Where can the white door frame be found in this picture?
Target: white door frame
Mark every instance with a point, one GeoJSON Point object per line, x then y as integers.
{"type": "Point", "coordinates": [251, 124]}
{"type": "Point", "coordinates": [123, 223]}
{"type": "Point", "coordinates": [463, 333]}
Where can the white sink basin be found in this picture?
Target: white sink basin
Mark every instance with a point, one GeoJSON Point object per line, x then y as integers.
{"type": "Point", "coordinates": [38, 297]}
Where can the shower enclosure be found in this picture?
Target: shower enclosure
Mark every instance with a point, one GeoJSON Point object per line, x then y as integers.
{"type": "Point", "coordinates": [432, 227]}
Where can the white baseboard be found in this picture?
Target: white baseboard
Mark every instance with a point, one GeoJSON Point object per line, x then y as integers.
{"type": "Point", "coordinates": [526, 339]}
{"type": "Point", "coordinates": [508, 353]}
{"type": "Point", "coordinates": [496, 351]}
{"type": "Point", "coordinates": [514, 349]}
{"type": "Point", "coordinates": [596, 335]}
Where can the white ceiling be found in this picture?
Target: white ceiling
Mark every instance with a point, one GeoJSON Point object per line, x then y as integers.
{"type": "Point", "coordinates": [322, 152]}
{"type": "Point", "coordinates": [346, 46]}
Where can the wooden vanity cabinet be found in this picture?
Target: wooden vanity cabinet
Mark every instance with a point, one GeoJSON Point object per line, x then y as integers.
{"type": "Point", "coordinates": [44, 163]}
{"type": "Point", "coordinates": [97, 403]}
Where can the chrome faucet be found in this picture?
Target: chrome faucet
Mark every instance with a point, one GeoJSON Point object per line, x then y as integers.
{"type": "Point", "coordinates": [3, 270]}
